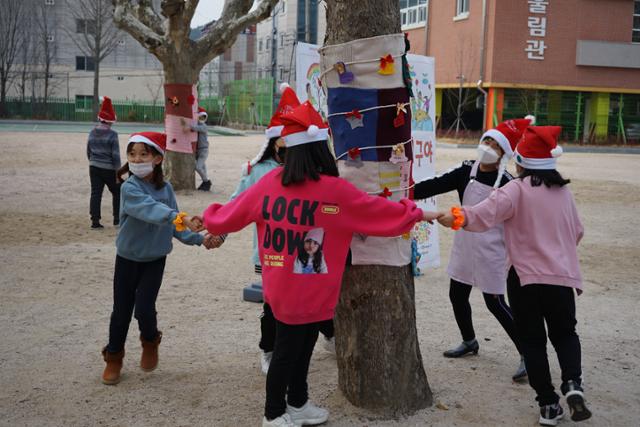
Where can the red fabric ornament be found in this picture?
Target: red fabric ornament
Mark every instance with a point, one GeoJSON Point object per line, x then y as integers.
{"type": "Point", "coordinates": [386, 193]}
{"type": "Point", "coordinates": [354, 152]}
{"type": "Point", "coordinates": [191, 99]}
{"type": "Point", "coordinates": [399, 120]}
{"type": "Point", "coordinates": [354, 113]}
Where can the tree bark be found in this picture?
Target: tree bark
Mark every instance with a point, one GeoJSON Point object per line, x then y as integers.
{"type": "Point", "coordinates": [96, 90]}
{"type": "Point", "coordinates": [379, 361]}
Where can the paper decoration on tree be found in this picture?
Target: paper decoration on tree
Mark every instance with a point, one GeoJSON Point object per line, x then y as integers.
{"type": "Point", "coordinates": [355, 119]}
{"type": "Point", "coordinates": [397, 154]}
{"type": "Point", "coordinates": [344, 75]}
{"type": "Point", "coordinates": [386, 65]}
{"type": "Point", "coordinates": [401, 111]}
{"type": "Point", "coordinates": [174, 101]}
{"type": "Point", "coordinates": [386, 193]}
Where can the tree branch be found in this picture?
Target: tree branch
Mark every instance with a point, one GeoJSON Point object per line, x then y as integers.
{"type": "Point", "coordinates": [149, 17]}
{"type": "Point", "coordinates": [235, 18]}
{"type": "Point", "coordinates": [125, 19]}
{"type": "Point", "coordinates": [189, 11]}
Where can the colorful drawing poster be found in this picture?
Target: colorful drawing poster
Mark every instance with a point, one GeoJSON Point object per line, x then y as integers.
{"type": "Point", "coordinates": [307, 77]}
{"type": "Point", "coordinates": [423, 108]}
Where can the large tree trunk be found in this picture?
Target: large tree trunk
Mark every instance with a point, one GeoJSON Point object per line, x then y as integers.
{"type": "Point", "coordinates": [180, 77]}
{"type": "Point", "coordinates": [379, 361]}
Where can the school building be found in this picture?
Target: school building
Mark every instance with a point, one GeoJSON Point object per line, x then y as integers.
{"type": "Point", "coordinates": [575, 63]}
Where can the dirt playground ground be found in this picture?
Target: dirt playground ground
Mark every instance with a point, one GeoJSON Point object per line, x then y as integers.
{"type": "Point", "coordinates": [56, 296]}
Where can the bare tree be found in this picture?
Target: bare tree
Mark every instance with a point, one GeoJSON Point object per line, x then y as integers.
{"type": "Point", "coordinates": [95, 34]}
{"type": "Point", "coordinates": [379, 360]}
{"type": "Point", "coordinates": [155, 88]}
{"type": "Point", "coordinates": [465, 66]}
{"type": "Point", "coordinates": [46, 47]}
{"type": "Point", "coordinates": [166, 35]}
{"type": "Point", "coordinates": [11, 40]}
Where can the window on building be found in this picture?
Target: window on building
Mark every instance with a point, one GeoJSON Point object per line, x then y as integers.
{"type": "Point", "coordinates": [281, 71]}
{"type": "Point", "coordinates": [268, 43]}
{"type": "Point", "coordinates": [85, 26]}
{"type": "Point", "coordinates": [635, 36]}
{"type": "Point", "coordinates": [120, 78]}
{"type": "Point", "coordinates": [51, 38]}
{"type": "Point", "coordinates": [413, 12]}
{"type": "Point", "coordinates": [121, 42]}
{"type": "Point", "coordinates": [85, 63]}
{"type": "Point", "coordinates": [260, 46]}
{"type": "Point", "coordinates": [462, 7]}
{"type": "Point", "coordinates": [237, 71]}
{"type": "Point", "coordinates": [49, 2]}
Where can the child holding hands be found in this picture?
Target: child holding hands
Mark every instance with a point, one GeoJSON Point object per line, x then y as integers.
{"type": "Point", "coordinates": [304, 198]}
{"type": "Point", "coordinates": [149, 219]}
{"type": "Point", "coordinates": [542, 230]}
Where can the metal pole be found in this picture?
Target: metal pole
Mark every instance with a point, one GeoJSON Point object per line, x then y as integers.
{"type": "Point", "coordinates": [307, 21]}
{"type": "Point", "coordinates": [274, 54]}
{"type": "Point", "coordinates": [482, 62]}
{"type": "Point", "coordinates": [578, 114]}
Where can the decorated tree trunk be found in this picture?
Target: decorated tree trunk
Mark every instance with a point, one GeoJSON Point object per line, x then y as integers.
{"type": "Point", "coordinates": [379, 360]}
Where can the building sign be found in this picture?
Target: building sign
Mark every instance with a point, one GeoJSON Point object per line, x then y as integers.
{"type": "Point", "coordinates": [537, 24]}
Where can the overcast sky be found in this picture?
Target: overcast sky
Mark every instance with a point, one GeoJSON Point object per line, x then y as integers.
{"type": "Point", "coordinates": [206, 11]}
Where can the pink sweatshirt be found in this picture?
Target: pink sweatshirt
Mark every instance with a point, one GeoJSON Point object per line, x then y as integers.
{"type": "Point", "coordinates": [541, 230]}
{"type": "Point", "coordinates": [325, 212]}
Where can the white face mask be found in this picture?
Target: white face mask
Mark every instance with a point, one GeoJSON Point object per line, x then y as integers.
{"type": "Point", "coordinates": [487, 155]}
{"type": "Point", "coordinates": [141, 169]}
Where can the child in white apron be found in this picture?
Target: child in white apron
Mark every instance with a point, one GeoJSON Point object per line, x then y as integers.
{"type": "Point", "coordinates": [479, 259]}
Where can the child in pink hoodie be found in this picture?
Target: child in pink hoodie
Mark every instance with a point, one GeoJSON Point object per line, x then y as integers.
{"type": "Point", "coordinates": [305, 216]}
{"type": "Point", "coordinates": [542, 230]}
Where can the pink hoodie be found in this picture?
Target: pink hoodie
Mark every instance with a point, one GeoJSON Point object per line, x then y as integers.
{"type": "Point", "coordinates": [284, 215]}
{"type": "Point", "coordinates": [541, 230]}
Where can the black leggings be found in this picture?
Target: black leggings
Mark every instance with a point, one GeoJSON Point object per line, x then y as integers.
{"type": "Point", "coordinates": [497, 305]}
{"type": "Point", "coordinates": [533, 306]}
{"type": "Point", "coordinates": [99, 178]}
{"type": "Point", "coordinates": [289, 367]}
{"type": "Point", "coordinates": [135, 285]}
{"type": "Point", "coordinates": [268, 329]}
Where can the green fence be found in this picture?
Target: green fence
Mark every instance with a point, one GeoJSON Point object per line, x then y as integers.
{"type": "Point", "coordinates": [248, 101]}
{"type": "Point", "coordinates": [80, 109]}
{"type": "Point", "coordinates": [584, 116]}
{"type": "Point", "coordinates": [243, 101]}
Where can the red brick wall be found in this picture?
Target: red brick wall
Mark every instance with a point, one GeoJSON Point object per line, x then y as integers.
{"type": "Point", "coordinates": [456, 45]}
{"type": "Point", "coordinates": [567, 22]}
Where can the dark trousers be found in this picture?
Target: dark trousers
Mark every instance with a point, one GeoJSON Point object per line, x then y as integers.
{"type": "Point", "coordinates": [459, 295]}
{"type": "Point", "coordinates": [268, 329]}
{"type": "Point", "coordinates": [135, 286]}
{"type": "Point", "coordinates": [99, 178]}
{"type": "Point", "coordinates": [289, 367]}
{"type": "Point", "coordinates": [533, 305]}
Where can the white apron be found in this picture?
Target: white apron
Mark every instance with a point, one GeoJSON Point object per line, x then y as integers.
{"type": "Point", "coordinates": [479, 259]}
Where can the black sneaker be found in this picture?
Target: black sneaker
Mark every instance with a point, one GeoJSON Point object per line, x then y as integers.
{"type": "Point", "coordinates": [96, 225]}
{"type": "Point", "coordinates": [116, 222]}
{"type": "Point", "coordinates": [550, 414]}
{"type": "Point", "coordinates": [575, 400]}
{"type": "Point", "coordinates": [205, 186]}
{"type": "Point", "coordinates": [463, 349]}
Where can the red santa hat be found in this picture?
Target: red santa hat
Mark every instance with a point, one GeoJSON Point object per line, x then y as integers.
{"type": "Point", "coordinates": [107, 114]}
{"type": "Point", "coordinates": [202, 113]}
{"type": "Point", "coordinates": [316, 234]}
{"type": "Point", "coordinates": [508, 133]}
{"type": "Point", "coordinates": [156, 140]}
{"type": "Point", "coordinates": [288, 101]}
{"type": "Point", "coordinates": [303, 125]}
{"type": "Point", "coordinates": [539, 148]}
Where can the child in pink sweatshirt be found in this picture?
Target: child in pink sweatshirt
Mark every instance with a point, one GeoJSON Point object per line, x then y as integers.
{"type": "Point", "coordinates": [542, 230]}
{"type": "Point", "coordinates": [302, 205]}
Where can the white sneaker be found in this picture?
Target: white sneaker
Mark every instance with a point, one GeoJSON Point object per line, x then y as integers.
{"type": "Point", "coordinates": [330, 344]}
{"type": "Point", "coordinates": [308, 415]}
{"type": "Point", "coordinates": [282, 421]}
{"type": "Point", "coordinates": [265, 361]}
